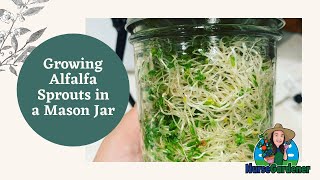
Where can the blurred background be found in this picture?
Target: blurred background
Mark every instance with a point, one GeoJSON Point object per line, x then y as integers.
{"type": "Point", "coordinates": [288, 98]}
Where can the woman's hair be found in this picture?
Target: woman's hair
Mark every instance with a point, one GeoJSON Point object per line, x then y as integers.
{"type": "Point", "coordinates": [274, 147]}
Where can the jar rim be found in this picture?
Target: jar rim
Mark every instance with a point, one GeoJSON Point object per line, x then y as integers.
{"type": "Point", "coordinates": [149, 27]}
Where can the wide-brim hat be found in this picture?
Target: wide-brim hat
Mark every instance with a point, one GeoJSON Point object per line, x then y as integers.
{"type": "Point", "coordinates": [288, 133]}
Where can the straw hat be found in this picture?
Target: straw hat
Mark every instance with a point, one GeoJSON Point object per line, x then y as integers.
{"type": "Point", "coordinates": [288, 133]}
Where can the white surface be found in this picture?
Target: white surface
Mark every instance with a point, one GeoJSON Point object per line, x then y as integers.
{"type": "Point", "coordinates": [289, 83]}
{"type": "Point", "coordinates": [288, 77]}
{"type": "Point", "coordinates": [289, 67]}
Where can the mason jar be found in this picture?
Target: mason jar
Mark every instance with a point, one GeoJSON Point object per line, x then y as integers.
{"type": "Point", "coordinates": [205, 86]}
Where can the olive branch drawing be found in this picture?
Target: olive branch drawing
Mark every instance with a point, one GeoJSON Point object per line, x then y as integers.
{"type": "Point", "coordinates": [11, 50]}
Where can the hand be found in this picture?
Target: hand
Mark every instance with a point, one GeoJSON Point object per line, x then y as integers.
{"type": "Point", "coordinates": [124, 142]}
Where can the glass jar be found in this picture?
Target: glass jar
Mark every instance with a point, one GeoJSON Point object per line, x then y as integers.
{"type": "Point", "coordinates": [205, 86]}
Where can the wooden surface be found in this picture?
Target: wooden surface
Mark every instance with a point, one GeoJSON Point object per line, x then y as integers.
{"type": "Point", "coordinates": [293, 25]}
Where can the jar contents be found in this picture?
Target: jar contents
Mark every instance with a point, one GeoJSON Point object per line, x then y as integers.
{"type": "Point", "coordinates": [204, 98]}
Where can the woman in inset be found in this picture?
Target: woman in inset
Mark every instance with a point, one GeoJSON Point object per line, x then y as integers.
{"type": "Point", "coordinates": [278, 137]}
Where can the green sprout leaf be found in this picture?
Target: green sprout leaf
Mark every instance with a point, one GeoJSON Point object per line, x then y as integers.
{"type": "Point", "coordinates": [200, 76]}
{"type": "Point", "coordinates": [233, 61]}
{"type": "Point", "coordinates": [251, 147]}
{"type": "Point", "coordinates": [254, 80]}
{"type": "Point", "coordinates": [210, 101]}
{"type": "Point", "coordinates": [239, 139]}
{"type": "Point", "coordinates": [152, 73]}
{"type": "Point", "coordinates": [250, 121]}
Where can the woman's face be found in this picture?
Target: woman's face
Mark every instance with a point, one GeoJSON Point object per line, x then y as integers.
{"type": "Point", "coordinates": [278, 138]}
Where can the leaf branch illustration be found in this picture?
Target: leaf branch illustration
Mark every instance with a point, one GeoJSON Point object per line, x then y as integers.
{"type": "Point", "coordinates": [10, 51]}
